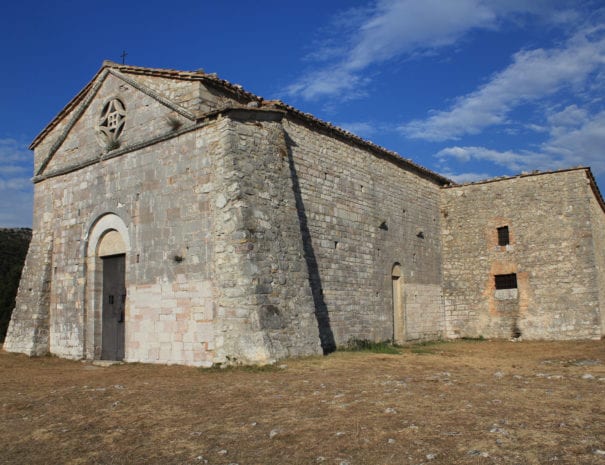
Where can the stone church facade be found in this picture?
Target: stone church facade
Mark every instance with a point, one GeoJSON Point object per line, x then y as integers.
{"type": "Point", "coordinates": [181, 219]}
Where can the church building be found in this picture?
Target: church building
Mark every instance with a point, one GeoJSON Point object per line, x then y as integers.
{"type": "Point", "coordinates": [181, 219]}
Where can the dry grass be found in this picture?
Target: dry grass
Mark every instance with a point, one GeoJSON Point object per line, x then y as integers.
{"type": "Point", "coordinates": [448, 403]}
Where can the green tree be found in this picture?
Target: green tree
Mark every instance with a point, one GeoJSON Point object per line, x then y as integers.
{"type": "Point", "coordinates": [13, 249]}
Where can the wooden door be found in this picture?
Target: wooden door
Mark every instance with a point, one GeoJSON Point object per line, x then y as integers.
{"type": "Point", "coordinates": [114, 300]}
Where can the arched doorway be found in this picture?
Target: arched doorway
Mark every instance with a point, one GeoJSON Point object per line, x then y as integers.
{"type": "Point", "coordinates": [112, 253]}
{"type": "Point", "coordinates": [106, 313]}
{"type": "Point", "coordinates": [398, 306]}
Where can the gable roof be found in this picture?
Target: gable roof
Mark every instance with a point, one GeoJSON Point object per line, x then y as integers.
{"type": "Point", "coordinates": [237, 93]}
{"type": "Point", "coordinates": [82, 101]}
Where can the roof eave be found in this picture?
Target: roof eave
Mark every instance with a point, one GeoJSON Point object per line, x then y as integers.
{"type": "Point", "coordinates": [66, 109]}
{"type": "Point", "coordinates": [595, 188]}
{"type": "Point", "coordinates": [242, 95]}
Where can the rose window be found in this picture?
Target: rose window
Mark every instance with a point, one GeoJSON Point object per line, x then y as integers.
{"type": "Point", "coordinates": [111, 123]}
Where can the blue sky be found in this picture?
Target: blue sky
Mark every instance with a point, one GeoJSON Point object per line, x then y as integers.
{"type": "Point", "coordinates": [471, 89]}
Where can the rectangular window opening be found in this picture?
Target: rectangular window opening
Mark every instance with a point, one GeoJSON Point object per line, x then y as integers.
{"type": "Point", "coordinates": [506, 281]}
{"type": "Point", "coordinates": [503, 237]}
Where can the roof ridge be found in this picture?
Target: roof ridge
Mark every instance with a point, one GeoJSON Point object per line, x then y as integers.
{"type": "Point", "coordinates": [238, 90]}
{"type": "Point", "coordinates": [145, 69]}
{"type": "Point", "coordinates": [523, 174]}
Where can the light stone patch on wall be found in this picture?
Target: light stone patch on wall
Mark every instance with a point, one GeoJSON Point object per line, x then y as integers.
{"type": "Point", "coordinates": [171, 322]}
{"type": "Point", "coordinates": [424, 317]}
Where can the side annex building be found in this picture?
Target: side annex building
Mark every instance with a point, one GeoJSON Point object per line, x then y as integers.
{"type": "Point", "coordinates": [180, 219]}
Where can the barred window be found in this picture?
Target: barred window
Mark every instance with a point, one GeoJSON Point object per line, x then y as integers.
{"type": "Point", "coordinates": [506, 281]}
{"type": "Point", "coordinates": [503, 237]}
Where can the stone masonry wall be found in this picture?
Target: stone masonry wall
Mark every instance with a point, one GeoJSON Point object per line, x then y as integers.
{"type": "Point", "coordinates": [551, 252]}
{"type": "Point", "coordinates": [598, 236]}
{"type": "Point", "coordinates": [247, 299]}
{"type": "Point", "coordinates": [171, 308]}
{"type": "Point", "coordinates": [264, 309]}
{"type": "Point", "coordinates": [364, 214]}
{"type": "Point", "coordinates": [257, 234]}
{"type": "Point", "coordinates": [162, 193]}
{"type": "Point", "coordinates": [145, 120]}
{"type": "Point", "coordinates": [28, 328]}
{"type": "Point", "coordinates": [182, 92]}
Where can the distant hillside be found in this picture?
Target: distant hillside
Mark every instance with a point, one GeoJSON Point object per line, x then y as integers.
{"type": "Point", "coordinates": [13, 248]}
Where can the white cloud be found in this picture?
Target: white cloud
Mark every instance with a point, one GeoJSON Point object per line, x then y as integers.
{"type": "Point", "coordinates": [462, 178]}
{"type": "Point", "coordinates": [533, 75]}
{"type": "Point", "coordinates": [536, 127]}
{"type": "Point", "coordinates": [16, 189]}
{"type": "Point", "coordinates": [11, 150]}
{"type": "Point", "coordinates": [12, 169]}
{"type": "Point", "coordinates": [583, 145]}
{"type": "Point", "coordinates": [580, 144]}
{"type": "Point", "coordinates": [16, 209]}
{"type": "Point", "coordinates": [571, 115]}
{"type": "Point", "coordinates": [329, 82]}
{"type": "Point", "coordinates": [13, 184]}
{"type": "Point", "coordinates": [396, 28]}
{"type": "Point", "coordinates": [514, 161]}
{"type": "Point", "coordinates": [361, 129]}
{"type": "Point", "coordinates": [407, 26]}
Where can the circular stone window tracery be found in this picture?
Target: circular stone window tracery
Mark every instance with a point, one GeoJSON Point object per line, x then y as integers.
{"type": "Point", "coordinates": [111, 124]}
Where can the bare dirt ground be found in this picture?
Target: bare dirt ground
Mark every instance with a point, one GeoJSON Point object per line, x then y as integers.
{"type": "Point", "coordinates": [445, 403]}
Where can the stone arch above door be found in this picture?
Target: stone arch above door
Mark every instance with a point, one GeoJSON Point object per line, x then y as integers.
{"type": "Point", "coordinates": [111, 228]}
{"type": "Point", "coordinates": [111, 244]}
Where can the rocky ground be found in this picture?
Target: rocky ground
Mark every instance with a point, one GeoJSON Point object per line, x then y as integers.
{"type": "Point", "coordinates": [469, 402]}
